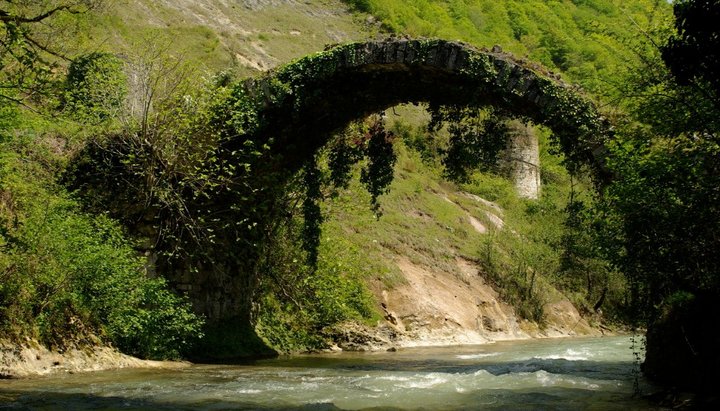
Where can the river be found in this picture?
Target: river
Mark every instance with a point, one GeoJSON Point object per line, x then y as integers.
{"type": "Point", "coordinates": [558, 374]}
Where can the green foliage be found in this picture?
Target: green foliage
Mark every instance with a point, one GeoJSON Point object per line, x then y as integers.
{"type": "Point", "coordinates": [96, 87]}
{"type": "Point", "coordinates": [312, 216]}
{"type": "Point", "coordinates": [583, 39]}
{"type": "Point", "coordinates": [584, 266]}
{"type": "Point", "coordinates": [654, 218]}
{"type": "Point", "coordinates": [345, 150]}
{"type": "Point", "coordinates": [378, 173]}
{"type": "Point", "coordinates": [31, 45]}
{"type": "Point", "coordinates": [154, 322]}
{"type": "Point", "coordinates": [650, 95]}
{"type": "Point", "coordinates": [664, 206]}
{"type": "Point", "coordinates": [429, 145]}
{"type": "Point", "coordinates": [73, 277]}
{"type": "Point", "coordinates": [360, 5]}
{"type": "Point", "coordinates": [163, 148]}
{"type": "Point", "coordinates": [68, 276]}
{"type": "Point", "coordinates": [520, 272]}
{"type": "Point", "coordinates": [299, 303]}
{"type": "Point", "coordinates": [476, 139]}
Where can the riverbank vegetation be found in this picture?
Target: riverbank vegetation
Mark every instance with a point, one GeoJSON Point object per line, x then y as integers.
{"type": "Point", "coordinates": [107, 131]}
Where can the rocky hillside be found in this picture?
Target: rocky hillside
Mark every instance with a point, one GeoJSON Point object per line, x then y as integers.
{"type": "Point", "coordinates": [247, 35]}
{"type": "Point", "coordinates": [443, 262]}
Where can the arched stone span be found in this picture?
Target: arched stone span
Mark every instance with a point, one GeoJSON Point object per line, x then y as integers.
{"type": "Point", "coordinates": [276, 123]}
{"type": "Point", "coordinates": [300, 104]}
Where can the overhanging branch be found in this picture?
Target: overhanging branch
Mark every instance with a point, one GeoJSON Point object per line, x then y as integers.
{"type": "Point", "coordinates": [8, 17]}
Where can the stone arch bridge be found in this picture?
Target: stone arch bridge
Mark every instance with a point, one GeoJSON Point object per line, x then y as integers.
{"type": "Point", "coordinates": [299, 105]}
{"type": "Point", "coordinates": [292, 112]}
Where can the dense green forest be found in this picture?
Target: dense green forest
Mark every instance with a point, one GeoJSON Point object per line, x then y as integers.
{"type": "Point", "coordinates": [108, 139]}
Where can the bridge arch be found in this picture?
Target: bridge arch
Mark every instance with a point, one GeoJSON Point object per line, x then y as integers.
{"type": "Point", "coordinates": [298, 106]}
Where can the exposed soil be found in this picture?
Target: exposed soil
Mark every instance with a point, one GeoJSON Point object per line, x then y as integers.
{"type": "Point", "coordinates": [442, 308]}
{"type": "Point", "coordinates": [436, 306]}
{"type": "Point", "coordinates": [32, 360]}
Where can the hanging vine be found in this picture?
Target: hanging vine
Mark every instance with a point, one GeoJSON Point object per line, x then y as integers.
{"type": "Point", "coordinates": [378, 173]}
{"type": "Point", "coordinates": [366, 139]}
{"type": "Point", "coordinates": [345, 150]}
{"type": "Point", "coordinates": [477, 137]}
{"type": "Point", "coordinates": [311, 212]}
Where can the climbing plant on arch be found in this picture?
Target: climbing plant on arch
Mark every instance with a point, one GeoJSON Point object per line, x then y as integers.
{"type": "Point", "coordinates": [296, 107]}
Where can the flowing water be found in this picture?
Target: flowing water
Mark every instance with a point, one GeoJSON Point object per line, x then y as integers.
{"type": "Point", "coordinates": [559, 374]}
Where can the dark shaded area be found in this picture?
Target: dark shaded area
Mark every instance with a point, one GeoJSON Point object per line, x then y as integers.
{"type": "Point", "coordinates": [694, 52]}
{"type": "Point", "coordinates": [14, 400]}
{"type": "Point", "coordinates": [682, 346]}
{"type": "Point", "coordinates": [231, 341]}
{"type": "Point", "coordinates": [549, 398]}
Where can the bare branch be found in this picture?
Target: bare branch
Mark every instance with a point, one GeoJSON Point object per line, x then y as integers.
{"type": "Point", "coordinates": [44, 48]}
{"type": "Point", "coordinates": [7, 17]}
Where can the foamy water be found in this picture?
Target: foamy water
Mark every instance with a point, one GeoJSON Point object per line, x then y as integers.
{"type": "Point", "coordinates": [565, 374]}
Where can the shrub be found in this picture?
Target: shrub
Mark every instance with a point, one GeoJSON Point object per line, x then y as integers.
{"type": "Point", "coordinates": [68, 277]}
{"type": "Point", "coordinates": [96, 87]}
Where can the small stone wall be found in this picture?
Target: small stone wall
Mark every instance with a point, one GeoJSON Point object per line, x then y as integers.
{"type": "Point", "coordinates": [523, 159]}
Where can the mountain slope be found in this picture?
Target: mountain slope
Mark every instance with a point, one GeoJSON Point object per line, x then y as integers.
{"type": "Point", "coordinates": [247, 36]}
